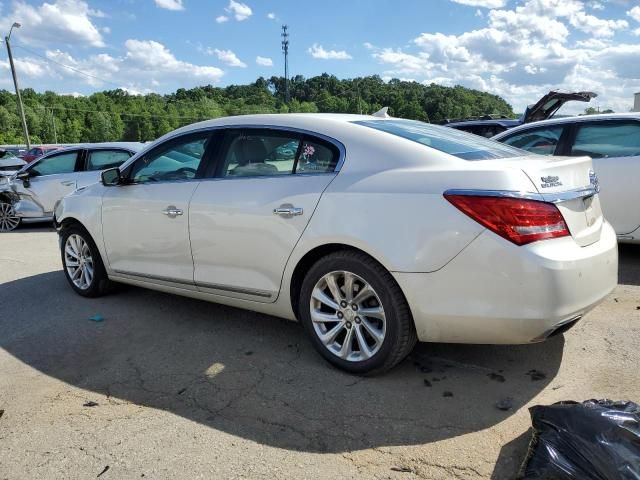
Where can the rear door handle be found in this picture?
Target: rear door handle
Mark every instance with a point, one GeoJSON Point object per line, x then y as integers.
{"type": "Point", "coordinates": [68, 183]}
{"type": "Point", "coordinates": [172, 211]}
{"type": "Point", "coordinates": [288, 211]}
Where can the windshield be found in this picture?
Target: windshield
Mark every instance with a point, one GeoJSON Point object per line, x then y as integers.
{"type": "Point", "coordinates": [444, 139]}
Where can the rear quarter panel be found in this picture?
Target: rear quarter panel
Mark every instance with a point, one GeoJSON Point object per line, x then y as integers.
{"type": "Point", "coordinates": [388, 201]}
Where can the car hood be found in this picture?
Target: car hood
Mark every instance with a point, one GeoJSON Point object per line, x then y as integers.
{"type": "Point", "coordinates": [551, 103]}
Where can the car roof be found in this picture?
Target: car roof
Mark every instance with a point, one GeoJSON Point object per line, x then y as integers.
{"type": "Point", "coordinates": [133, 146]}
{"type": "Point", "coordinates": [321, 123]}
{"type": "Point", "coordinates": [575, 119]}
{"type": "Point", "coordinates": [284, 119]}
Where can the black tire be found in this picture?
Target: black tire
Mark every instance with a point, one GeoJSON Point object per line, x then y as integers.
{"type": "Point", "coordinates": [8, 220]}
{"type": "Point", "coordinates": [400, 336]}
{"type": "Point", "coordinates": [100, 283]}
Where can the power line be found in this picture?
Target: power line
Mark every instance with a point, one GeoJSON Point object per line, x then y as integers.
{"type": "Point", "coordinates": [145, 114]}
{"type": "Point", "coordinates": [67, 66]}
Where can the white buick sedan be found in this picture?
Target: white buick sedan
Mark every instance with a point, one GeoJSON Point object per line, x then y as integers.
{"type": "Point", "coordinates": [373, 232]}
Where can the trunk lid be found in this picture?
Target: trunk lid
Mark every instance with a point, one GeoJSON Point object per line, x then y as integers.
{"type": "Point", "coordinates": [551, 103]}
{"type": "Point", "coordinates": [571, 184]}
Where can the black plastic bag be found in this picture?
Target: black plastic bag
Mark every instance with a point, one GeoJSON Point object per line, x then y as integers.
{"type": "Point", "coordinates": [593, 440]}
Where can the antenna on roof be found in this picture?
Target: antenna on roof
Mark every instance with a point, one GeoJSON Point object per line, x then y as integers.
{"type": "Point", "coordinates": [382, 113]}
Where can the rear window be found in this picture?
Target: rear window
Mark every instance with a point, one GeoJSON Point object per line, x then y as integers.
{"type": "Point", "coordinates": [444, 139]}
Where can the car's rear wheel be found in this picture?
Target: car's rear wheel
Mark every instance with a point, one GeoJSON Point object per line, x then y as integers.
{"type": "Point", "coordinates": [356, 314]}
{"type": "Point", "coordinates": [8, 219]}
{"type": "Point", "coordinates": [82, 263]}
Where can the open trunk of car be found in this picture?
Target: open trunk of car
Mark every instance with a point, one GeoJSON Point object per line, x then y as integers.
{"type": "Point", "coordinates": [548, 105]}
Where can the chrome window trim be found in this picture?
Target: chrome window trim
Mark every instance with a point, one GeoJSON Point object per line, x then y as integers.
{"type": "Point", "coordinates": [280, 175]}
{"type": "Point", "coordinates": [336, 143]}
{"type": "Point", "coordinates": [559, 197]}
{"type": "Point", "coordinates": [212, 286]}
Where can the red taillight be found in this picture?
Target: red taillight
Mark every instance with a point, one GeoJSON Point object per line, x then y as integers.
{"type": "Point", "coordinates": [519, 220]}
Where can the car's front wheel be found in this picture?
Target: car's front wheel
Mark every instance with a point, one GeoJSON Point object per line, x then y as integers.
{"type": "Point", "coordinates": [356, 314]}
{"type": "Point", "coordinates": [8, 219]}
{"type": "Point", "coordinates": [82, 263]}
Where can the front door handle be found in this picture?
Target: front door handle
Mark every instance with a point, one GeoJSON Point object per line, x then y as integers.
{"type": "Point", "coordinates": [288, 211]}
{"type": "Point", "coordinates": [172, 211]}
{"type": "Point", "coordinates": [68, 183]}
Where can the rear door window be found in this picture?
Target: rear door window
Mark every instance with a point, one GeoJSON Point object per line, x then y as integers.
{"type": "Point", "coordinates": [543, 141]}
{"type": "Point", "coordinates": [103, 159]}
{"type": "Point", "coordinates": [258, 153]}
{"type": "Point", "coordinates": [607, 139]}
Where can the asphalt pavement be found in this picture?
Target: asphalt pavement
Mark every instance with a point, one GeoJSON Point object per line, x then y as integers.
{"type": "Point", "coordinates": [170, 387]}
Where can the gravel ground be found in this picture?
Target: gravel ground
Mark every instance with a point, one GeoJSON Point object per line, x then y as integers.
{"type": "Point", "coordinates": [169, 387]}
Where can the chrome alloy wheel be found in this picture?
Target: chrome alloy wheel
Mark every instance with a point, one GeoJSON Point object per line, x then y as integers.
{"type": "Point", "coordinates": [8, 219]}
{"type": "Point", "coordinates": [78, 261]}
{"type": "Point", "coordinates": [348, 316]}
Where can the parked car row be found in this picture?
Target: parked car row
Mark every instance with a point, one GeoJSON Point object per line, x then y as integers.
{"type": "Point", "coordinates": [612, 141]}
{"type": "Point", "coordinates": [543, 109]}
{"type": "Point", "coordinates": [374, 232]}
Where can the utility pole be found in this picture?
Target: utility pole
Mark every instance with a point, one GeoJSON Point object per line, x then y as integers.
{"type": "Point", "coordinates": [53, 124]}
{"type": "Point", "coordinates": [15, 83]}
{"type": "Point", "coordinates": [285, 50]}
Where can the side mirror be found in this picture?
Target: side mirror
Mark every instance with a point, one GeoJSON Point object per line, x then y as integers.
{"type": "Point", "coordinates": [24, 176]}
{"type": "Point", "coordinates": [111, 177]}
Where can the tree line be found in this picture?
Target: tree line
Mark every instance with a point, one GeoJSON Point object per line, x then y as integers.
{"type": "Point", "coordinates": [114, 115]}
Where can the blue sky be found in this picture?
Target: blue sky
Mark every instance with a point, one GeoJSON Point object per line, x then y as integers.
{"type": "Point", "coordinates": [515, 48]}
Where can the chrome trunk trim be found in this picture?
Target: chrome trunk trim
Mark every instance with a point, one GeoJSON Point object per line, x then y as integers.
{"type": "Point", "coordinates": [559, 197]}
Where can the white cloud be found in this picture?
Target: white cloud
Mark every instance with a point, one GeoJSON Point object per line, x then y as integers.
{"type": "Point", "coordinates": [483, 3]}
{"type": "Point", "coordinates": [154, 60]}
{"type": "Point", "coordinates": [317, 51]}
{"type": "Point", "coordinates": [62, 21]}
{"type": "Point", "coordinates": [222, 19]}
{"type": "Point", "coordinates": [227, 57]}
{"type": "Point", "coordinates": [170, 4]}
{"type": "Point", "coordinates": [264, 61]}
{"type": "Point", "coordinates": [635, 13]}
{"type": "Point", "coordinates": [240, 11]}
{"type": "Point", "coordinates": [595, 26]}
{"type": "Point", "coordinates": [32, 68]}
{"type": "Point", "coordinates": [145, 66]}
{"type": "Point", "coordinates": [525, 51]}
{"type": "Point", "coordinates": [271, 16]}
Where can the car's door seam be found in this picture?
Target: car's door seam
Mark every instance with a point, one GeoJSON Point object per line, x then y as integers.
{"type": "Point", "coordinates": [286, 264]}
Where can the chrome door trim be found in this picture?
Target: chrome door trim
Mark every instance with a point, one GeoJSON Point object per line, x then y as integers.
{"type": "Point", "coordinates": [244, 291]}
{"type": "Point", "coordinates": [212, 286]}
{"type": "Point", "coordinates": [583, 192]}
{"type": "Point", "coordinates": [337, 143]}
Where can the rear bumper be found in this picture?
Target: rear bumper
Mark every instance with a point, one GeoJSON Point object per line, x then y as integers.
{"type": "Point", "coordinates": [496, 292]}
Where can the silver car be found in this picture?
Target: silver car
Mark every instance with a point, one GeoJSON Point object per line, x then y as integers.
{"type": "Point", "coordinates": [612, 141]}
{"type": "Point", "coordinates": [376, 233]}
{"type": "Point", "coordinates": [31, 194]}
